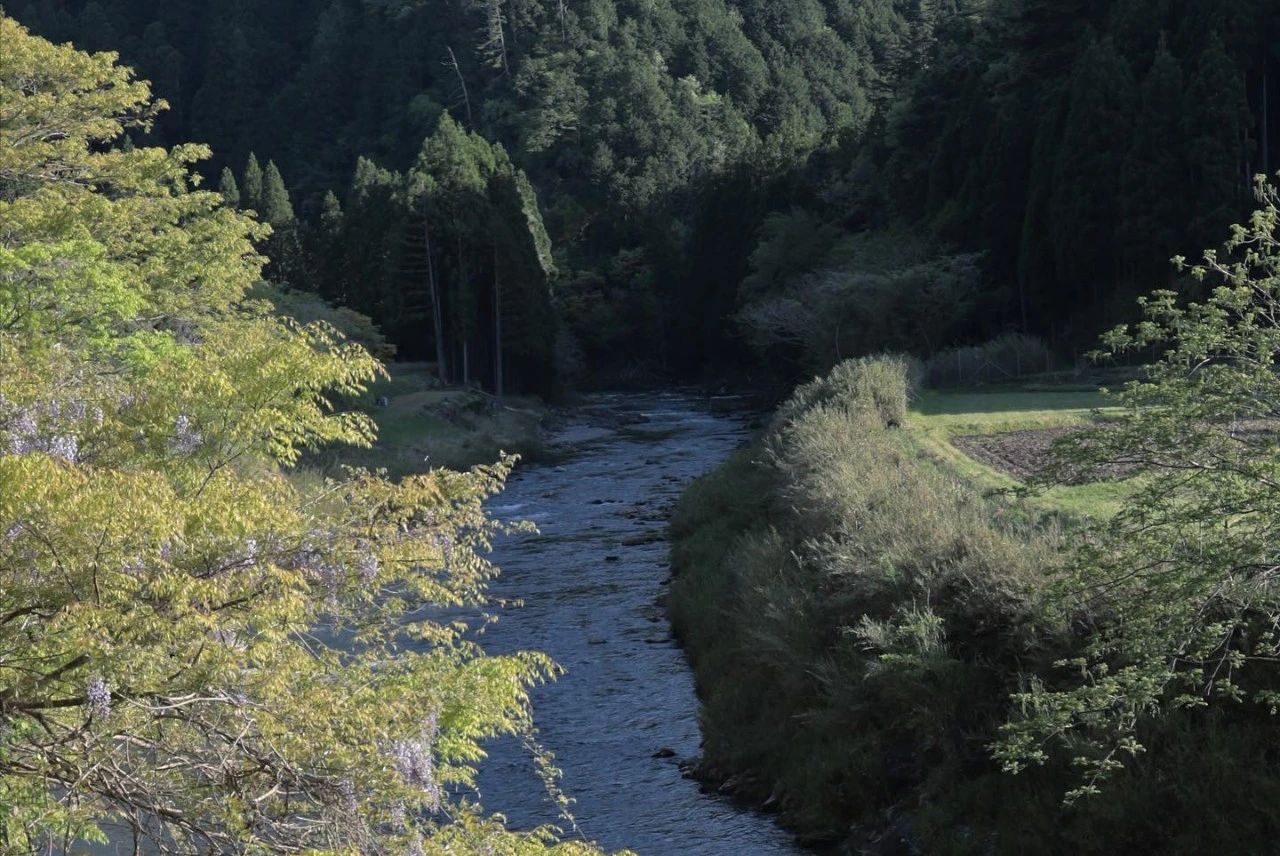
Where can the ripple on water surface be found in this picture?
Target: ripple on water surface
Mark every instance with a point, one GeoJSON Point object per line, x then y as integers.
{"type": "Point", "coordinates": [590, 583]}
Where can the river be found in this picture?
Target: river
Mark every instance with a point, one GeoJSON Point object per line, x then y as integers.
{"type": "Point", "coordinates": [625, 715]}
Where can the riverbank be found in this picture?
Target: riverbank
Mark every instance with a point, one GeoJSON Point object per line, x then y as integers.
{"type": "Point", "coordinates": [858, 614]}
{"type": "Point", "coordinates": [825, 577]}
{"type": "Point", "coordinates": [422, 423]}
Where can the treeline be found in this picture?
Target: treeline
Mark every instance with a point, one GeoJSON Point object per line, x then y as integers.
{"type": "Point", "coordinates": [656, 134]}
{"type": "Point", "coordinates": [917, 174]}
{"type": "Point", "coordinates": [1077, 145]}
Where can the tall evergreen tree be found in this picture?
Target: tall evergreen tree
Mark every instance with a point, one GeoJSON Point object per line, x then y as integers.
{"type": "Point", "coordinates": [1217, 140]}
{"type": "Point", "coordinates": [228, 188]}
{"type": "Point", "coordinates": [275, 207]}
{"type": "Point", "coordinates": [251, 188]}
{"type": "Point", "coordinates": [1086, 176]}
{"type": "Point", "coordinates": [1153, 186]}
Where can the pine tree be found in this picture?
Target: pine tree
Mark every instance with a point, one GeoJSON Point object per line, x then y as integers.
{"type": "Point", "coordinates": [330, 215]}
{"type": "Point", "coordinates": [275, 207]}
{"type": "Point", "coordinates": [1083, 207]}
{"type": "Point", "coordinates": [284, 247]}
{"type": "Point", "coordinates": [251, 188]}
{"type": "Point", "coordinates": [1217, 137]}
{"type": "Point", "coordinates": [228, 188]}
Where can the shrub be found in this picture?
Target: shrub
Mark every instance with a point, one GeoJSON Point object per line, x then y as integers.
{"type": "Point", "coordinates": [1010, 356]}
{"type": "Point", "coordinates": [846, 652]}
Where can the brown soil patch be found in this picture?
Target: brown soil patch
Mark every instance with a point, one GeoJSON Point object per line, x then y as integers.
{"type": "Point", "coordinates": [1021, 454]}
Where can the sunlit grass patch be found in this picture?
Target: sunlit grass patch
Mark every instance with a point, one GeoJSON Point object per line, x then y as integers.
{"type": "Point", "coordinates": [936, 418]}
{"type": "Point", "coordinates": [423, 424]}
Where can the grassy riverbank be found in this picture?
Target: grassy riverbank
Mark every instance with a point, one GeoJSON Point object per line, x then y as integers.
{"type": "Point", "coordinates": [858, 614]}
{"type": "Point", "coordinates": [421, 424]}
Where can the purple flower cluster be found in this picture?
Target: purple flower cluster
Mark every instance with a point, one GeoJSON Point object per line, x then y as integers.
{"type": "Point", "coordinates": [319, 556]}
{"type": "Point", "coordinates": [368, 566]}
{"type": "Point", "coordinates": [415, 762]}
{"type": "Point", "coordinates": [45, 428]}
{"type": "Point", "coordinates": [185, 439]}
{"type": "Point", "coordinates": [97, 697]}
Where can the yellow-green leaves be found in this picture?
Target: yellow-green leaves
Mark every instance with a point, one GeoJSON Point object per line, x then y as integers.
{"type": "Point", "coordinates": [198, 643]}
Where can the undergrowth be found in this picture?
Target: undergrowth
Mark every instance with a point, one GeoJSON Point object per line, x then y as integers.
{"type": "Point", "coordinates": [858, 618]}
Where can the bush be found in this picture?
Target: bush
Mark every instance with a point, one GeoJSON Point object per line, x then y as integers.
{"type": "Point", "coordinates": [848, 653]}
{"type": "Point", "coordinates": [1010, 356]}
{"type": "Point", "coordinates": [858, 621]}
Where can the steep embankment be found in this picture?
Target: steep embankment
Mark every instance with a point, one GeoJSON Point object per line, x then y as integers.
{"type": "Point", "coordinates": [858, 615]}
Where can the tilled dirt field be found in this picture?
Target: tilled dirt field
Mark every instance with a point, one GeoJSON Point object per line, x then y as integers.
{"type": "Point", "coordinates": [1021, 454]}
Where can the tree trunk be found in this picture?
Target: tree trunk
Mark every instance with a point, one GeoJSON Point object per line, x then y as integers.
{"type": "Point", "coordinates": [497, 328]}
{"type": "Point", "coordinates": [1266, 138]}
{"type": "Point", "coordinates": [466, 97]}
{"type": "Point", "coordinates": [437, 310]}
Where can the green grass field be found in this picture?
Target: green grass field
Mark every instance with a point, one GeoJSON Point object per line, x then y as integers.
{"type": "Point", "coordinates": [425, 425]}
{"type": "Point", "coordinates": [936, 417]}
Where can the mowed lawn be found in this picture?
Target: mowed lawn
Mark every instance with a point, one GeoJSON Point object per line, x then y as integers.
{"type": "Point", "coordinates": [936, 418]}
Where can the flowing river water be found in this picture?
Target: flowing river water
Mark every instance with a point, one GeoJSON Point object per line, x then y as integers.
{"type": "Point", "coordinates": [624, 716]}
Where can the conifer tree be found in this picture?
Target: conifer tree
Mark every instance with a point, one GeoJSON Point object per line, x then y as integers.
{"type": "Point", "coordinates": [228, 188]}
{"type": "Point", "coordinates": [1153, 184]}
{"type": "Point", "coordinates": [1217, 139]}
{"type": "Point", "coordinates": [1086, 176]}
{"type": "Point", "coordinates": [275, 207]}
{"type": "Point", "coordinates": [330, 215]}
{"type": "Point", "coordinates": [251, 188]}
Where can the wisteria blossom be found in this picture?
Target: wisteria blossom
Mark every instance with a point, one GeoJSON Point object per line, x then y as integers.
{"type": "Point", "coordinates": [415, 762]}
{"type": "Point", "coordinates": [368, 566]}
{"type": "Point", "coordinates": [97, 695]}
{"type": "Point", "coordinates": [185, 439]}
{"type": "Point", "coordinates": [51, 428]}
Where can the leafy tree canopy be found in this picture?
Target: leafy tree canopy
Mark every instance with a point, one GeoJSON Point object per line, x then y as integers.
{"type": "Point", "coordinates": [201, 645]}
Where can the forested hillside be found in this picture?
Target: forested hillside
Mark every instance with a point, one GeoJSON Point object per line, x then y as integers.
{"type": "Point", "coordinates": [1081, 144]}
{"type": "Point", "coordinates": [677, 149]}
{"type": "Point", "coordinates": [650, 131]}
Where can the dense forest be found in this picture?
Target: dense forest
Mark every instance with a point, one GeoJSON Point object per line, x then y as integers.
{"type": "Point", "coordinates": [702, 167]}
{"type": "Point", "coordinates": [283, 285]}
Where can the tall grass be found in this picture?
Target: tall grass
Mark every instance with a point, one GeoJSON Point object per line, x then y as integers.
{"type": "Point", "coordinates": [859, 614]}
{"type": "Point", "coordinates": [857, 619]}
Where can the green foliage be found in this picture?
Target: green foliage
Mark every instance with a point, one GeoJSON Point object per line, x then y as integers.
{"type": "Point", "coordinates": [307, 308]}
{"type": "Point", "coordinates": [855, 309]}
{"type": "Point", "coordinates": [1175, 590]}
{"type": "Point", "coordinates": [1080, 145]}
{"type": "Point", "coordinates": [627, 117]}
{"type": "Point", "coordinates": [228, 188]}
{"type": "Point", "coordinates": [252, 187]}
{"type": "Point", "coordinates": [275, 208]}
{"type": "Point", "coordinates": [197, 642]}
{"type": "Point", "coordinates": [854, 614]}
